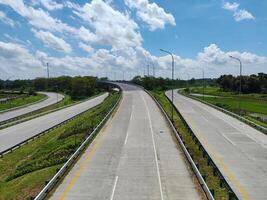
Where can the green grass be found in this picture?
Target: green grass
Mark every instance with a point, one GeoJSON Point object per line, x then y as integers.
{"type": "Point", "coordinates": [231, 103]}
{"type": "Point", "coordinates": [21, 101]}
{"type": "Point", "coordinates": [216, 91]}
{"type": "Point", "coordinates": [212, 181]}
{"type": "Point", "coordinates": [250, 103]}
{"type": "Point", "coordinates": [25, 170]}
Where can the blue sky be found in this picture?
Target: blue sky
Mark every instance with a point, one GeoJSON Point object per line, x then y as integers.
{"type": "Point", "coordinates": [105, 38]}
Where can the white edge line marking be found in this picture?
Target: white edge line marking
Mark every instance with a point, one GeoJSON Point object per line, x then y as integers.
{"type": "Point", "coordinates": [154, 147]}
{"type": "Point", "coordinates": [127, 134]}
{"type": "Point", "coordinates": [114, 188]}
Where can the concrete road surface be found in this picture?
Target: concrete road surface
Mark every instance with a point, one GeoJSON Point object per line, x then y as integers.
{"type": "Point", "coordinates": [134, 157]}
{"type": "Point", "coordinates": [238, 150]}
{"type": "Point", "coordinates": [52, 99]}
{"type": "Point", "coordinates": [20, 132]}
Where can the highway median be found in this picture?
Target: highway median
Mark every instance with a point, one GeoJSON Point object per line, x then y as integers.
{"type": "Point", "coordinates": [27, 169]}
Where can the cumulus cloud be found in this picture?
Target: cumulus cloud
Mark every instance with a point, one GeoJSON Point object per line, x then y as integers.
{"type": "Point", "coordinates": [243, 14]}
{"type": "Point", "coordinates": [151, 13]}
{"type": "Point", "coordinates": [16, 60]}
{"type": "Point", "coordinates": [230, 6]}
{"type": "Point", "coordinates": [52, 41]}
{"type": "Point", "coordinates": [6, 19]}
{"type": "Point", "coordinates": [239, 14]}
{"type": "Point", "coordinates": [111, 27]}
{"type": "Point", "coordinates": [37, 17]}
{"type": "Point", "coordinates": [50, 4]}
{"type": "Point", "coordinates": [86, 47]}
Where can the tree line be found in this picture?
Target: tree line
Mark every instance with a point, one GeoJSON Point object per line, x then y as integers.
{"type": "Point", "coordinates": [250, 84]}
{"type": "Point", "coordinates": [153, 83]}
{"type": "Point", "coordinates": [77, 87]}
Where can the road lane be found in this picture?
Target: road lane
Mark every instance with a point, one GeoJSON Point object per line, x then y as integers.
{"type": "Point", "coordinates": [20, 132]}
{"type": "Point", "coordinates": [238, 150]}
{"type": "Point", "coordinates": [52, 99]}
{"type": "Point", "coordinates": [133, 157]}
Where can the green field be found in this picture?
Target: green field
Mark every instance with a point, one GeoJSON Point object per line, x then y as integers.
{"type": "Point", "coordinates": [25, 170]}
{"type": "Point", "coordinates": [206, 170]}
{"type": "Point", "coordinates": [250, 103]}
{"type": "Point", "coordinates": [21, 101]}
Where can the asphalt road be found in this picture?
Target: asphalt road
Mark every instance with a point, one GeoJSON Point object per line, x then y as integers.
{"type": "Point", "coordinates": [238, 150]}
{"type": "Point", "coordinates": [20, 132]}
{"type": "Point", "coordinates": [52, 99]}
{"type": "Point", "coordinates": [133, 157]}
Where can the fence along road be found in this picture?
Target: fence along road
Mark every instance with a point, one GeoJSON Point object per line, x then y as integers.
{"type": "Point", "coordinates": [133, 157]}
{"type": "Point", "coordinates": [13, 135]}
{"type": "Point", "coordinates": [52, 99]}
{"type": "Point", "coordinates": [238, 150]}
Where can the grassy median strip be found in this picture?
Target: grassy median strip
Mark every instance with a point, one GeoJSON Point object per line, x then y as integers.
{"type": "Point", "coordinates": [21, 101]}
{"type": "Point", "coordinates": [25, 171]}
{"type": "Point", "coordinates": [206, 170]}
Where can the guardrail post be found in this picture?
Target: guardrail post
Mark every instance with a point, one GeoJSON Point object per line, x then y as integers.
{"type": "Point", "coordinates": [212, 192]}
{"type": "Point", "coordinates": [221, 182]}
{"type": "Point", "coordinates": [214, 171]}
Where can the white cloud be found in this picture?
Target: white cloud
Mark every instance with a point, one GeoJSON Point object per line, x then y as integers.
{"type": "Point", "coordinates": [6, 19]}
{"type": "Point", "coordinates": [52, 41]}
{"type": "Point", "coordinates": [51, 5]}
{"type": "Point", "coordinates": [243, 14]}
{"type": "Point", "coordinates": [151, 13]}
{"type": "Point", "coordinates": [239, 14]}
{"type": "Point", "coordinates": [111, 27]}
{"type": "Point", "coordinates": [85, 35]}
{"type": "Point", "coordinates": [18, 61]}
{"type": "Point", "coordinates": [37, 17]}
{"type": "Point", "coordinates": [86, 47]}
{"type": "Point", "coordinates": [230, 6]}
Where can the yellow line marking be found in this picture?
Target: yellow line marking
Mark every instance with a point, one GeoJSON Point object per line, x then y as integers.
{"type": "Point", "coordinates": [98, 141]}
{"type": "Point", "coordinates": [220, 161]}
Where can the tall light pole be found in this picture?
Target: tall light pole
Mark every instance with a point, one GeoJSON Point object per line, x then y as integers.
{"type": "Point", "coordinates": [240, 81]}
{"type": "Point", "coordinates": [168, 52]}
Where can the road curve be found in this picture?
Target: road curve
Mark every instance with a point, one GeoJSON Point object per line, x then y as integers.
{"type": "Point", "coordinates": [20, 132]}
{"type": "Point", "coordinates": [52, 99]}
{"type": "Point", "coordinates": [133, 157]}
{"type": "Point", "coordinates": [239, 151]}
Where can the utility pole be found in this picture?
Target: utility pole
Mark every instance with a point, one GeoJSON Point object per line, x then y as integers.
{"type": "Point", "coordinates": [172, 75]}
{"type": "Point", "coordinates": [147, 69]}
{"type": "Point", "coordinates": [240, 82]}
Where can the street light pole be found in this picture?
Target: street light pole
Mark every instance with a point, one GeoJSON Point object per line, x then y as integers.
{"type": "Point", "coordinates": [240, 81]}
{"type": "Point", "coordinates": [172, 75]}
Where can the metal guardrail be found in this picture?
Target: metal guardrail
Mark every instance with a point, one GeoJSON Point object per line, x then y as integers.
{"type": "Point", "coordinates": [261, 128]}
{"type": "Point", "coordinates": [71, 160]}
{"type": "Point", "coordinates": [187, 154]}
{"type": "Point", "coordinates": [39, 134]}
{"type": "Point", "coordinates": [216, 171]}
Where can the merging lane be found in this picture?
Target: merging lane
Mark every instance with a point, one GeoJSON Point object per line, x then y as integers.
{"type": "Point", "coordinates": [13, 135]}
{"type": "Point", "coordinates": [135, 156]}
{"type": "Point", "coordinates": [52, 99]}
{"type": "Point", "coordinates": [239, 151]}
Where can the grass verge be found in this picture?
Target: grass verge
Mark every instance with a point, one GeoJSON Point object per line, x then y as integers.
{"type": "Point", "coordinates": [24, 171]}
{"type": "Point", "coordinates": [21, 101]}
{"type": "Point", "coordinates": [206, 170]}
{"type": "Point", "coordinates": [249, 103]}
